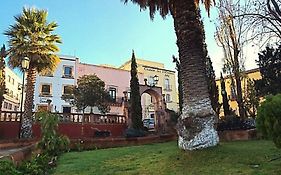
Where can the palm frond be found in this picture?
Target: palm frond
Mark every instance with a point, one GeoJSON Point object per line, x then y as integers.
{"type": "Point", "coordinates": [32, 36]}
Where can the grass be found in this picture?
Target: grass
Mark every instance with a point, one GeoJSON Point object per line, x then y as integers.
{"type": "Point", "coordinates": [241, 157]}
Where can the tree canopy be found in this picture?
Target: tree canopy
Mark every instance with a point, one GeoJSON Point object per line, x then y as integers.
{"type": "Point", "coordinates": [270, 68]}
{"type": "Point", "coordinates": [89, 92]}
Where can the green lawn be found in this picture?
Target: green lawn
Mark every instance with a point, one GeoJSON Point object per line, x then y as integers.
{"type": "Point", "coordinates": [241, 157]}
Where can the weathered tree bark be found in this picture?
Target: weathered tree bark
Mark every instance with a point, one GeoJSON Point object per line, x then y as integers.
{"type": "Point", "coordinates": [26, 121]}
{"type": "Point", "coordinates": [196, 125]}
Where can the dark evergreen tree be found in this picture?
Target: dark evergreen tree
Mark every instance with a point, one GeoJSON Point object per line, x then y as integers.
{"type": "Point", "coordinates": [270, 68]}
{"type": "Point", "coordinates": [2, 74]}
{"type": "Point", "coordinates": [210, 75]}
{"type": "Point", "coordinates": [225, 104]}
{"type": "Point", "coordinates": [178, 67]}
{"type": "Point", "coordinates": [212, 87]}
{"type": "Point", "coordinates": [135, 100]}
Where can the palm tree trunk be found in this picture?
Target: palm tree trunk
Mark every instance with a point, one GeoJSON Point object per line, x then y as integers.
{"type": "Point", "coordinates": [196, 124]}
{"type": "Point", "coordinates": [26, 123]}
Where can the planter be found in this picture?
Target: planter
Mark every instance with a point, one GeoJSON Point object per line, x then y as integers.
{"type": "Point", "coordinates": [233, 135]}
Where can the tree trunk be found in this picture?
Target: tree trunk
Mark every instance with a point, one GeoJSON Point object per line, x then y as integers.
{"type": "Point", "coordinates": [196, 123]}
{"type": "Point", "coordinates": [26, 122]}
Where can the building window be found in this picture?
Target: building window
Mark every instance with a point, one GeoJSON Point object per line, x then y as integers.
{"type": "Point", "coordinates": [10, 106]}
{"type": "Point", "coordinates": [112, 93]}
{"type": "Point", "coordinates": [168, 98]}
{"type": "Point", "coordinates": [5, 105]}
{"type": "Point", "coordinates": [67, 89]}
{"type": "Point", "coordinates": [68, 71]}
{"type": "Point", "coordinates": [129, 95]}
{"type": "Point", "coordinates": [46, 89]}
{"type": "Point", "coordinates": [11, 94]}
{"type": "Point", "coordinates": [13, 81]}
{"type": "Point", "coordinates": [232, 92]}
{"type": "Point", "coordinates": [66, 109]}
{"type": "Point", "coordinates": [9, 78]}
{"type": "Point", "coordinates": [167, 85]}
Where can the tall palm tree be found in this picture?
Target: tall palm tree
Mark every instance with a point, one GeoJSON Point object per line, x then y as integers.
{"type": "Point", "coordinates": [32, 36]}
{"type": "Point", "coordinates": [196, 123]}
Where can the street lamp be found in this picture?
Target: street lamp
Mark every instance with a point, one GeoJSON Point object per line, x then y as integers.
{"type": "Point", "coordinates": [155, 79]}
{"type": "Point", "coordinates": [24, 66]}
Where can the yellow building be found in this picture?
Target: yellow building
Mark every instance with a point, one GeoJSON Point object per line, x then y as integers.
{"type": "Point", "coordinates": [167, 80]}
{"type": "Point", "coordinates": [253, 74]}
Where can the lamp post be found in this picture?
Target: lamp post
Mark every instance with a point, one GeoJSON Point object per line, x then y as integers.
{"type": "Point", "coordinates": [155, 81]}
{"type": "Point", "coordinates": [24, 66]}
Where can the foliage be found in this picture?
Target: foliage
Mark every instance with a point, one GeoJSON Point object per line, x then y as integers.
{"type": "Point", "coordinates": [165, 7]}
{"type": "Point", "coordinates": [231, 36]}
{"type": "Point", "coordinates": [7, 167]}
{"type": "Point", "coordinates": [51, 143]}
{"type": "Point", "coordinates": [38, 165]}
{"type": "Point", "coordinates": [135, 100]}
{"type": "Point", "coordinates": [264, 20]}
{"type": "Point", "coordinates": [32, 36]}
{"type": "Point", "coordinates": [132, 132]}
{"type": "Point", "coordinates": [226, 108]}
{"type": "Point", "coordinates": [180, 90]}
{"type": "Point", "coordinates": [270, 68]}
{"type": "Point", "coordinates": [232, 122]}
{"type": "Point", "coordinates": [251, 99]}
{"type": "Point", "coordinates": [212, 87]}
{"type": "Point", "coordinates": [89, 92]}
{"type": "Point", "coordinates": [2, 74]}
{"type": "Point", "coordinates": [238, 157]}
{"type": "Point", "coordinates": [269, 119]}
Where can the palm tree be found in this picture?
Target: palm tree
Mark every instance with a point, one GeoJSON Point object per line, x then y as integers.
{"type": "Point", "coordinates": [196, 123]}
{"type": "Point", "coordinates": [31, 36]}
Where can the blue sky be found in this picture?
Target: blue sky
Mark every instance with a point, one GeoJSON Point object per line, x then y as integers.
{"type": "Point", "coordinates": [106, 31]}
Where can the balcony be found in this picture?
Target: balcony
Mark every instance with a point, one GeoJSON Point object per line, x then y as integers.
{"type": "Point", "coordinates": [167, 87]}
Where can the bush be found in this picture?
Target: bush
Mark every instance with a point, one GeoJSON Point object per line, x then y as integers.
{"type": "Point", "coordinates": [233, 122]}
{"type": "Point", "coordinates": [51, 143]}
{"type": "Point", "coordinates": [7, 167]}
{"type": "Point", "coordinates": [269, 119]}
{"type": "Point", "coordinates": [131, 132]}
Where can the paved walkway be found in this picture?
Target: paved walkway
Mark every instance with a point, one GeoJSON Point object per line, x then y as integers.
{"type": "Point", "coordinates": [4, 153]}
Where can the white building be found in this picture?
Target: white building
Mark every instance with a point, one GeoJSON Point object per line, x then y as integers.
{"type": "Point", "coordinates": [50, 87]}
{"type": "Point", "coordinates": [12, 99]}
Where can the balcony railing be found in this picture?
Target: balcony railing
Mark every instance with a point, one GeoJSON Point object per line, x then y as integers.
{"type": "Point", "coordinates": [167, 87]}
{"type": "Point", "coordinates": [12, 116]}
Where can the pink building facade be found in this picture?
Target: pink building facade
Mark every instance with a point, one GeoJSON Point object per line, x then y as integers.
{"type": "Point", "coordinates": [116, 82]}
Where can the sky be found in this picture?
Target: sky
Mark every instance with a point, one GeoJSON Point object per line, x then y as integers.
{"type": "Point", "coordinates": [106, 31]}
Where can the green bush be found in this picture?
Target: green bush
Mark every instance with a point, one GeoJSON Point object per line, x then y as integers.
{"type": "Point", "coordinates": [269, 119]}
{"type": "Point", "coordinates": [51, 143]}
{"type": "Point", "coordinates": [36, 166]}
{"type": "Point", "coordinates": [131, 132]}
{"type": "Point", "coordinates": [7, 167]}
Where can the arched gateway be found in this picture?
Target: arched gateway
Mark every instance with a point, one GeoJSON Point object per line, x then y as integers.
{"type": "Point", "coordinates": [161, 116]}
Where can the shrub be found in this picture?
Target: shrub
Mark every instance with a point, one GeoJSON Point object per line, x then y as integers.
{"type": "Point", "coordinates": [269, 119]}
{"type": "Point", "coordinates": [7, 167]}
{"type": "Point", "coordinates": [233, 122]}
{"type": "Point", "coordinates": [51, 143]}
{"type": "Point", "coordinates": [131, 132]}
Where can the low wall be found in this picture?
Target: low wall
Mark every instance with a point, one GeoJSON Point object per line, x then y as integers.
{"type": "Point", "coordinates": [88, 144]}
{"type": "Point", "coordinates": [9, 130]}
{"type": "Point", "coordinates": [233, 135]}
{"type": "Point", "coordinates": [79, 130]}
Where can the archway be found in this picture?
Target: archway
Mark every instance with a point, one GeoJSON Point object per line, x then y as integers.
{"type": "Point", "coordinates": [158, 103]}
